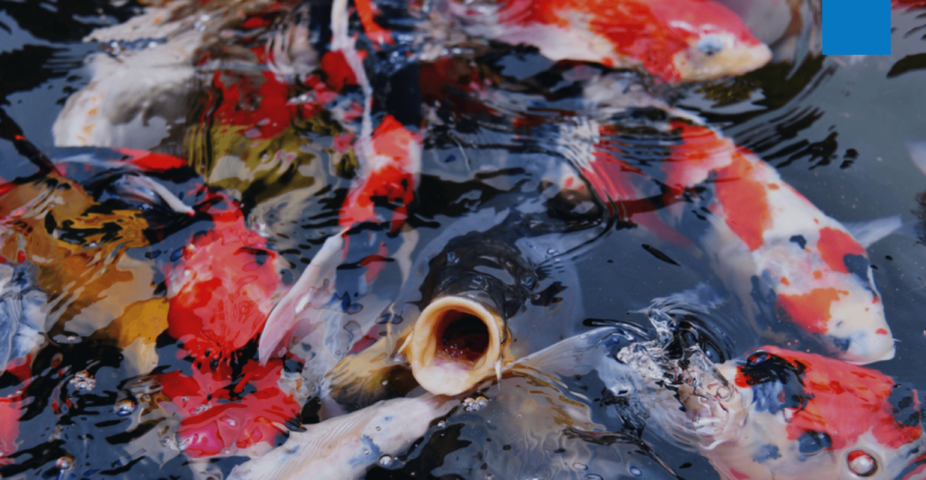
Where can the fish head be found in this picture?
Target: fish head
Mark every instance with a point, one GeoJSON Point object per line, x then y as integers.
{"type": "Point", "coordinates": [808, 416]}
{"type": "Point", "coordinates": [715, 41]}
{"type": "Point", "coordinates": [838, 301]}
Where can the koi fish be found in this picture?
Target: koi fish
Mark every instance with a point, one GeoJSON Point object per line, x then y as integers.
{"type": "Point", "coordinates": [389, 171]}
{"type": "Point", "coordinates": [221, 414]}
{"type": "Point", "coordinates": [22, 317]}
{"type": "Point", "coordinates": [11, 408]}
{"type": "Point", "coordinates": [816, 274]}
{"type": "Point", "coordinates": [150, 57]}
{"type": "Point", "coordinates": [772, 413]}
{"type": "Point", "coordinates": [345, 447]}
{"type": "Point", "coordinates": [676, 40]}
{"type": "Point", "coordinates": [223, 289]}
{"type": "Point", "coordinates": [814, 417]}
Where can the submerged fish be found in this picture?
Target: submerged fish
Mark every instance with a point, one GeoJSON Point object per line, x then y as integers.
{"type": "Point", "coordinates": [346, 447]}
{"type": "Point", "coordinates": [808, 265]}
{"type": "Point", "coordinates": [676, 40]}
{"type": "Point", "coordinates": [773, 413]}
{"type": "Point", "coordinates": [222, 290]}
{"type": "Point", "coordinates": [791, 415]}
{"type": "Point", "coordinates": [22, 313]}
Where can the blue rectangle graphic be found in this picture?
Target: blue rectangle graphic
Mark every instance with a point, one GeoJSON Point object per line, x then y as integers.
{"type": "Point", "coordinates": [856, 27]}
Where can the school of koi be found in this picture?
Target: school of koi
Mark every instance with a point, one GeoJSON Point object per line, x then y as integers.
{"type": "Point", "coordinates": [289, 93]}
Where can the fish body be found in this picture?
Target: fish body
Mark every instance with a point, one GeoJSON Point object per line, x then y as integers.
{"type": "Point", "coordinates": [345, 447]}
{"type": "Point", "coordinates": [805, 416]}
{"type": "Point", "coordinates": [808, 265]}
{"type": "Point", "coordinates": [223, 289]}
{"type": "Point", "coordinates": [676, 40]}
{"type": "Point", "coordinates": [222, 414]}
{"type": "Point", "coordinates": [22, 317]}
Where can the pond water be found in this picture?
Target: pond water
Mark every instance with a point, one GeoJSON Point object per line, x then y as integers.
{"type": "Point", "coordinates": [267, 159]}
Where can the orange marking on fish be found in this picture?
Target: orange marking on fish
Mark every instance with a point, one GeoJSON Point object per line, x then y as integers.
{"type": "Point", "coordinates": [392, 180]}
{"type": "Point", "coordinates": [744, 201]}
{"type": "Point", "coordinates": [817, 274]}
{"type": "Point", "coordinates": [811, 310]}
{"type": "Point", "coordinates": [773, 186]}
{"type": "Point", "coordinates": [881, 331]}
{"type": "Point", "coordinates": [651, 32]}
{"type": "Point", "coordinates": [848, 400]}
{"type": "Point", "coordinates": [376, 33]}
{"type": "Point", "coordinates": [784, 281]}
{"type": "Point", "coordinates": [690, 162]}
{"type": "Point", "coordinates": [834, 245]}
{"type": "Point", "coordinates": [93, 112]}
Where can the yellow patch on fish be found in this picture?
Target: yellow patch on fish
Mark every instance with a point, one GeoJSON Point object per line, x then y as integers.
{"type": "Point", "coordinates": [137, 330]}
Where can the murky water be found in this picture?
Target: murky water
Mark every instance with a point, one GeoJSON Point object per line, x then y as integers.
{"type": "Point", "coordinates": [269, 143]}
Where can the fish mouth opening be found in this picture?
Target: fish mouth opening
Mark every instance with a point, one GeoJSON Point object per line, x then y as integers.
{"type": "Point", "coordinates": [455, 343]}
{"type": "Point", "coordinates": [463, 337]}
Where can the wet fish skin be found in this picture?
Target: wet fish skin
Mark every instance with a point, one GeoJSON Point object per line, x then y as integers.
{"type": "Point", "coordinates": [337, 448]}
{"type": "Point", "coordinates": [22, 317]}
{"type": "Point", "coordinates": [805, 415]}
{"type": "Point", "coordinates": [676, 40]}
{"type": "Point", "coordinates": [763, 230]}
{"type": "Point", "coordinates": [223, 289]}
{"type": "Point", "coordinates": [344, 447]}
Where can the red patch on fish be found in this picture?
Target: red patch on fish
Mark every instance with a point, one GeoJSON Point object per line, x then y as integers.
{"type": "Point", "coordinates": [392, 177]}
{"type": "Point", "coordinates": [744, 201]}
{"type": "Point", "coordinates": [217, 420]}
{"type": "Point", "coordinates": [845, 401]}
{"type": "Point", "coordinates": [263, 109]}
{"type": "Point", "coordinates": [701, 150]}
{"type": "Point", "coordinates": [337, 70]}
{"type": "Point", "coordinates": [834, 245]}
{"type": "Point", "coordinates": [227, 280]}
{"type": "Point", "coordinates": [811, 310]}
{"type": "Point", "coordinates": [651, 32]}
{"type": "Point", "coordinates": [365, 10]}
{"type": "Point", "coordinates": [11, 407]}
{"type": "Point", "coordinates": [151, 162]}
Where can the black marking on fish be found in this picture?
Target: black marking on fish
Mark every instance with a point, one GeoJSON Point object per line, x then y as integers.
{"type": "Point", "coordinates": [766, 452]}
{"type": "Point", "coordinates": [800, 241]}
{"type": "Point", "coordinates": [859, 266]}
{"type": "Point", "coordinates": [776, 383]}
{"type": "Point", "coordinates": [810, 443]}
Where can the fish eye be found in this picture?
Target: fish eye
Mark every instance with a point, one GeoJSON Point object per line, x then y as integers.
{"type": "Point", "coordinates": [862, 464]}
{"type": "Point", "coordinates": [710, 45]}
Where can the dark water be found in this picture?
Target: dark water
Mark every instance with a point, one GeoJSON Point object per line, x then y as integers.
{"type": "Point", "coordinates": [834, 127]}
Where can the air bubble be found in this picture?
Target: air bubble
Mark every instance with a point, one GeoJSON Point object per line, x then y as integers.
{"type": "Point", "coordinates": [64, 463]}
{"type": "Point", "coordinates": [475, 404]}
{"type": "Point", "coordinates": [83, 381]}
{"type": "Point", "coordinates": [385, 460]}
{"type": "Point", "coordinates": [125, 407]}
{"type": "Point", "coordinates": [635, 471]}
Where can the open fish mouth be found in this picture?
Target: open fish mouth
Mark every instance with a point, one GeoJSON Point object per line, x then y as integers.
{"type": "Point", "coordinates": [456, 342]}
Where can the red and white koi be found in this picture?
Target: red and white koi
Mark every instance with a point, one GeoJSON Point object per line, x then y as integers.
{"type": "Point", "coordinates": [218, 419]}
{"type": "Point", "coordinates": [818, 275]}
{"type": "Point", "coordinates": [223, 289]}
{"type": "Point", "coordinates": [676, 40]}
{"type": "Point", "coordinates": [791, 415]}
